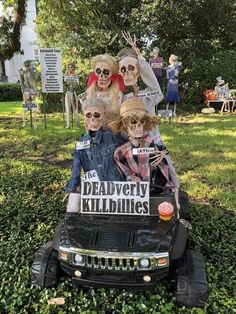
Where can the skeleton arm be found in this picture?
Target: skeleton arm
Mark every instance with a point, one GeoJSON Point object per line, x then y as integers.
{"type": "Point", "coordinates": [131, 41]}
{"type": "Point", "coordinates": [74, 181]}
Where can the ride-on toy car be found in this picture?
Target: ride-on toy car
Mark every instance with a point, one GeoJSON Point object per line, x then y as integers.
{"type": "Point", "coordinates": [120, 241]}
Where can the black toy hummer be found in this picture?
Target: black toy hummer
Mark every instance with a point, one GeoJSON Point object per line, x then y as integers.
{"type": "Point", "coordinates": [123, 250]}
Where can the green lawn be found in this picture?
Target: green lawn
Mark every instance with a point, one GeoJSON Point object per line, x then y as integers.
{"type": "Point", "coordinates": [32, 181]}
{"type": "Point", "coordinates": [12, 107]}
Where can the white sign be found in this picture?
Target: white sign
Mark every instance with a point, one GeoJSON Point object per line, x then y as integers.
{"type": "Point", "coordinates": [165, 113]}
{"type": "Point", "coordinates": [157, 65]}
{"type": "Point", "coordinates": [143, 151]}
{"type": "Point", "coordinates": [82, 145]}
{"type": "Point", "coordinates": [119, 198]}
{"type": "Point", "coordinates": [90, 176]}
{"type": "Point", "coordinates": [52, 79]}
{"type": "Point", "coordinates": [71, 78]}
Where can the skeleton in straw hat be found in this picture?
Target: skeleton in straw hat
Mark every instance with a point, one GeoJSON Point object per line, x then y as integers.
{"type": "Point", "coordinates": [140, 159]}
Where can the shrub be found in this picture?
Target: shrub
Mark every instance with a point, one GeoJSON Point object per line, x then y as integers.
{"type": "Point", "coordinates": [10, 92]}
{"type": "Point", "coordinates": [200, 74]}
{"type": "Point", "coordinates": [53, 103]}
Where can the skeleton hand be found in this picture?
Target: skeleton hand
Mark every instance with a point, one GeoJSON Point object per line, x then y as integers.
{"type": "Point", "coordinates": [133, 178]}
{"type": "Point", "coordinates": [131, 41]}
{"type": "Point", "coordinates": [176, 192]}
{"type": "Point", "coordinates": [157, 158]}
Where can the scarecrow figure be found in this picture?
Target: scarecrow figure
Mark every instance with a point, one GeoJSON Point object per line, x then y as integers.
{"type": "Point", "coordinates": [223, 93]}
{"type": "Point", "coordinates": [140, 159]}
{"type": "Point", "coordinates": [157, 64]}
{"type": "Point", "coordinates": [94, 151]}
{"type": "Point", "coordinates": [105, 83]}
{"type": "Point", "coordinates": [71, 100]}
{"type": "Point", "coordinates": [28, 80]}
{"type": "Point", "coordinates": [172, 73]}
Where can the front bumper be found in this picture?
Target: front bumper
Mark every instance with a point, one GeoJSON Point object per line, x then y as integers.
{"type": "Point", "coordinates": [114, 269]}
{"type": "Point", "coordinates": [98, 278]}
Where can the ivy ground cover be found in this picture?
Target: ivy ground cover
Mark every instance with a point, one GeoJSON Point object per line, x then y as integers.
{"type": "Point", "coordinates": [35, 166]}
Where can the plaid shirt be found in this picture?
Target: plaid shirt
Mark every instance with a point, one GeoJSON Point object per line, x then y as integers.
{"type": "Point", "coordinates": [139, 170]}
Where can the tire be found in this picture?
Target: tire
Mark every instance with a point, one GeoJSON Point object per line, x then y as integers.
{"type": "Point", "coordinates": [191, 283]}
{"type": "Point", "coordinates": [184, 209]}
{"type": "Point", "coordinates": [45, 270]}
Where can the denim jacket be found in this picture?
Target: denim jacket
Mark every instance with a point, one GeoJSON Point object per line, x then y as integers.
{"type": "Point", "coordinates": [99, 157]}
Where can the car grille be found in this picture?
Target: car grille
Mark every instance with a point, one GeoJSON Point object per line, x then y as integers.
{"type": "Point", "coordinates": [111, 263]}
{"type": "Point", "coordinates": [115, 260]}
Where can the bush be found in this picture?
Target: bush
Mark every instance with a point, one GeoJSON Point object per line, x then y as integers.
{"type": "Point", "coordinates": [53, 103]}
{"type": "Point", "coordinates": [200, 74]}
{"type": "Point", "coordinates": [10, 92]}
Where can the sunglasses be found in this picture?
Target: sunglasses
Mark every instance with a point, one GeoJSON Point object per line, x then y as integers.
{"type": "Point", "coordinates": [129, 68]}
{"type": "Point", "coordinates": [105, 72]}
{"type": "Point", "coordinates": [96, 115]}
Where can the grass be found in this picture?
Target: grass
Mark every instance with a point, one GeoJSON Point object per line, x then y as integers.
{"type": "Point", "coordinates": [10, 108]}
{"type": "Point", "coordinates": [35, 166]}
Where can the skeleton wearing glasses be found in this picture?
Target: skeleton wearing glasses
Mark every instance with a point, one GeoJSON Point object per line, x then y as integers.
{"type": "Point", "coordinates": [104, 82]}
{"type": "Point", "coordinates": [94, 151]}
{"type": "Point", "coordinates": [140, 159]}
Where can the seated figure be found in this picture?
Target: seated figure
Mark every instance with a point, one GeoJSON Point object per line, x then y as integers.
{"type": "Point", "coordinates": [223, 93]}
{"type": "Point", "coordinates": [95, 150]}
{"type": "Point", "coordinates": [140, 159]}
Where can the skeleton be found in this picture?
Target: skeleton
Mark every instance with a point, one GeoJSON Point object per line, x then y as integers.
{"type": "Point", "coordinates": [136, 132]}
{"type": "Point", "coordinates": [104, 82]}
{"type": "Point", "coordinates": [128, 65]}
{"type": "Point", "coordinates": [94, 118]}
{"type": "Point", "coordinates": [94, 151]}
{"type": "Point", "coordinates": [28, 80]}
{"type": "Point", "coordinates": [71, 100]}
{"type": "Point", "coordinates": [129, 71]}
{"type": "Point", "coordinates": [135, 121]}
{"type": "Point", "coordinates": [144, 71]}
{"type": "Point", "coordinates": [223, 93]}
{"type": "Point", "coordinates": [103, 72]}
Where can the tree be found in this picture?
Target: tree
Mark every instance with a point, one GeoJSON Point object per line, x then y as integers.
{"type": "Point", "coordinates": [200, 32]}
{"type": "Point", "coordinates": [91, 26]}
{"type": "Point", "coordinates": [10, 26]}
{"type": "Point", "coordinates": [188, 28]}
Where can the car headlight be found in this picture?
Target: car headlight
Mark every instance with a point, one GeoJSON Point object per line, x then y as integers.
{"type": "Point", "coordinates": [144, 263]}
{"type": "Point", "coordinates": [79, 259]}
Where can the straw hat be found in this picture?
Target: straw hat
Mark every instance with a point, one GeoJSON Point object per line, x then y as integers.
{"type": "Point", "coordinates": [132, 106]}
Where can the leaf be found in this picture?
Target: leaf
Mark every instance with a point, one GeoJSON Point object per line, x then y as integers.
{"type": "Point", "coordinates": [57, 301]}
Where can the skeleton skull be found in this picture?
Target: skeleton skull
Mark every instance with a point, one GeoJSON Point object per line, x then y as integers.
{"type": "Point", "coordinates": [71, 67]}
{"type": "Point", "coordinates": [94, 118]}
{"type": "Point", "coordinates": [128, 68]}
{"type": "Point", "coordinates": [135, 127]}
{"type": "Point", "coordinates": [103, 72]}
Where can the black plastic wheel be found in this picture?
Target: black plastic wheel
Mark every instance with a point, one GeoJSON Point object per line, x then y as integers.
{"type": "Point", "coordinates": [191, 281]}
{"type": "Point", "coordinates": [184, 209]}
{"type": "Point", "coordinates": [45, 270]}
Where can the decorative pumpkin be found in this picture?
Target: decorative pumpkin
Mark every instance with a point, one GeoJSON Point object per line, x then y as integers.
{"type": "Point", "coordinates": [209, 94]}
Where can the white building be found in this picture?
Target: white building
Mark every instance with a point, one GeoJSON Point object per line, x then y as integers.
{"type": "Point", "coordinates": [29, 48]}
